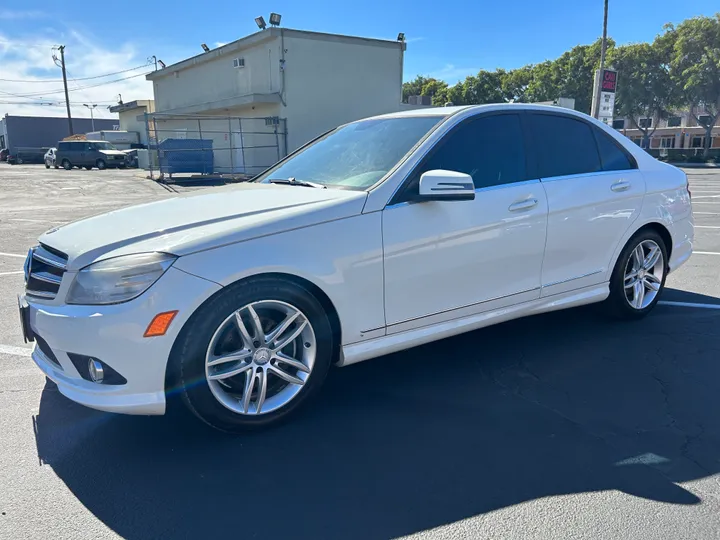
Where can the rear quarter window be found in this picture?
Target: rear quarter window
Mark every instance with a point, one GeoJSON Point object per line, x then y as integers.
{"type": "Point", "coordinates": [63, 146]}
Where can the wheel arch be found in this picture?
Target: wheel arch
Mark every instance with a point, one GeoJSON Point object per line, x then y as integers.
{"type": "Point", "coordinates": [171, 380]}
{"type": "Point", "coordinates": [656, 226]}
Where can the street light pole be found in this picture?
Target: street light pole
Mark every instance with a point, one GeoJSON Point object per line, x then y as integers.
{"type": "Point", "coordinates": [603, 48]}
{"type": "Point", "coordinates": [92, 118]}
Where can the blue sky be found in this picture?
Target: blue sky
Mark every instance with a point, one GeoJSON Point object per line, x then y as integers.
{"type": "Point", "coordinates": [445, 42]}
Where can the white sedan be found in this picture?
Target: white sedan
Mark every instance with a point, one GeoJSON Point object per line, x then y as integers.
{"type": "Point", "coordinates": [381, 235]}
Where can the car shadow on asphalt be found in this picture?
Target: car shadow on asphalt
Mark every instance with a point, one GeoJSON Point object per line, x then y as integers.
{"type": "Point", "coordinates": [555, 404]}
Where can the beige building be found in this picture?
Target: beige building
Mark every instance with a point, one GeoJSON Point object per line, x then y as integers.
{"type": "Point", "coordinates": [678, 131]}
{"type": "Point", "coordinates": [295, 84]}
{"type": "Point", "coordinates": [132, 116]}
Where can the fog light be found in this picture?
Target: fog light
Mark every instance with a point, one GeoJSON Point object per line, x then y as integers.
{"type": "Point", "coordinates": [95, 369]}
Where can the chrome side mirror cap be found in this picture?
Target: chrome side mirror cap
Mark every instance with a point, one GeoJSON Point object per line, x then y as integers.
{"type": "Point", "coordinates": [442, 185]}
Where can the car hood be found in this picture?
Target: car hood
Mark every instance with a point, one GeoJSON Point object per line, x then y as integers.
{"type": "Point", "coordinates": [196, 222]}
{"type": "Point", "coordinates": [112, 152]}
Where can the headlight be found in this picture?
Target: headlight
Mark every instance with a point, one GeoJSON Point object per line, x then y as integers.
{"type": "Point", "coordinates": [119, 279]}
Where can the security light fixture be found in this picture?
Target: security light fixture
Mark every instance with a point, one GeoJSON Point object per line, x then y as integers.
{"type": "Point", "coordinates": [260, 21]}
{"type": "Point", "coordinates": [401, 36]}
{"type": "Point", "coordinates": [275, 19]}
{"type": "Point", "coordinates": [162, 64]}
{"type": "Point", "coordinates": [205, 47]}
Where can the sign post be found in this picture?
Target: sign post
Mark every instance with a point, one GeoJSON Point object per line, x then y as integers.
{"type": "Point", "coordinates": [606, 84]}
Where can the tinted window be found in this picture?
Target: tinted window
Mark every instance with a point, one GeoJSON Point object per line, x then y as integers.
{"type": "Point", "coordinates": [674, 121]}
{"type": "Point", "coordinates": [563, 145]}
{"type": "Point", "coordinates": [64, 146]}
{"type": "Point", "coordinates": [611, 156]}
{"type": "Point", "coordinates": [490, 149]}
{"type": "Point", "coordinates": [619, 124]}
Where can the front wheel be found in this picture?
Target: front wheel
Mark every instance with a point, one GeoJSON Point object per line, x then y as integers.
{"type": "Point", "coordinates": [100, 164]}
{"type": "Point", "coordinates": [252, 355]}
{"type": "Point", "coordinates": [639, 276]}
{"type": "Point", "coordinates": [66, 164]}
{"type": "Point", "coordinates": [47, 165]}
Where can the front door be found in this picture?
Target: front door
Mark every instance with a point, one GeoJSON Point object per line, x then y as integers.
{"type": "Point", "coordinates": [441, 256]}
{"type": "Point", "coordinates": [594, 195]}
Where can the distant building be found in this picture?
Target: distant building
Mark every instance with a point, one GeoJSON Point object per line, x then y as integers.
{"type": "Point", "coordinates": [678, 131]}
{"type": "Point", "coordinates": [132, 116]}
{"type": "Point", "coordinates": [31, 132]}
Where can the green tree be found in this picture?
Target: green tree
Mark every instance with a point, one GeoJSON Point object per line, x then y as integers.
{"type": "Point", "coordinates": [575, 73]}
{"type": "Point", "coordinates": [644, 89]}
{"type": "Point", "coordinates": [436, 89]}
{"type": "Point", "coordinates": [414, 87]}
{"type": "Point", "coordinates": [694, 59]}
{"type": "Point", "coordinates": [515, 84]}
{"type": "Point", "coordinates": [485, 87]}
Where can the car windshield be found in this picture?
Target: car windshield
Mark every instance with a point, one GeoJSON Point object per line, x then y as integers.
{"type": "Point", "coordinates": [354, 156]}
{"type": "Point", "coordinates": [104, 146]}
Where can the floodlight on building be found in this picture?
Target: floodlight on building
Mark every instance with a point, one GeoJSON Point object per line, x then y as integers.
{"type": "Point", "coordinates": [260, 21]}
{"type": "Point", "coordinates": [275, 19]}
{"type": "Point", "coordinates": [162, 64]}
{"type": "Point", "coordinates": [401, 36]}
{"type": "Point", "coordinates": [205, 47]}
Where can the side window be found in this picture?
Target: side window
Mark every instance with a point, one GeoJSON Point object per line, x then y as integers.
{"type": "Point", "coordinates": [611, 156]}
{"type": "Point", "coordinates": [490, 149]}
{"type": "Point", "coordinates": [563, 145]}
{"type": "Point", "coordinates": [89, 147]}
{"type": "Point", "coordinates": [63, 146]}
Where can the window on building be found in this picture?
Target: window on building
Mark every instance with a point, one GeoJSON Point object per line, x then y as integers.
{"type": "Point", "coordinates": [697, 142]}
{"type": "Point", "coordinates": [490, 149]}
{"type": "Point", "coordinates": [238, 62]}
{"type": "Point", "coordinates": [619, 124]}
{"type": "Point", "coordinates": [645, 123]}
{"type": "Point", "coordinates": [564, 145]}
{"type": "Point", "coordinates": [612, 157]}
{"type": "Point", "coordinates": [674, 121]}
{"type": "Point", "coordinates": [667, 142]}
{"type": "Point", "coordinates": [704, 119]}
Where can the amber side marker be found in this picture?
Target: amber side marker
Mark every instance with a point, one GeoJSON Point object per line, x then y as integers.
{"type": "Point", "coordinates": [160, 323]}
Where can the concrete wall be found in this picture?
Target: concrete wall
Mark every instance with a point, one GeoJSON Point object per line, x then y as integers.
{"type": "Point", "coordinates": [129, 122]}
{"type": "Point", "coordinates": [217, 79]}
{"type": "Point", "coordinates": [41, 132]}
{"type": "Point", "coordinates": [330, 82]}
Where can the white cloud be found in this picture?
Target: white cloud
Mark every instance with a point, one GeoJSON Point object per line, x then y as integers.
{"type": "Point", "coordinates": [14, 15]}
{"type": "Point", "coordinates": [414, 39]}
{"type": "Point", "coordinates": [30, 59]}
{"type": "Point", "coordinates": [452, 74]}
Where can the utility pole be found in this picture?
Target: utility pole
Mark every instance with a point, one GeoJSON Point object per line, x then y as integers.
{"type": "Point", "coordinates": [92, 118]}
{"type": "Point", "coordinates": [603, 48]}
{"type": "Point", "coordinates": [61, 48]}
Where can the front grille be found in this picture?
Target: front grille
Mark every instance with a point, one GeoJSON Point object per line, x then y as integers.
{"type": "Point", "coordinates": [44, 272]}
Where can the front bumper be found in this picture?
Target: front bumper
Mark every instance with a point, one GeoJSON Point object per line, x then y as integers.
{"type": "Point", "coordinates": [114, 335]}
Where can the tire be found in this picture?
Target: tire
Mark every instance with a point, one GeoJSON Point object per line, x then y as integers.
{"type": "Point", "coordinates": [88, 167]}
{"type": "Point", "coordinates": [623, 301]}
{"type": "Point", "coordinates": [221, 407]}
{"type": "Point", "coordinates": [66, 164]}
{"type": "Point", "coordinates": [100, 164]}
{"type": "Point", "coordinates": [47, 165]}
{"type": "Point", "coordinates": [56, 166]}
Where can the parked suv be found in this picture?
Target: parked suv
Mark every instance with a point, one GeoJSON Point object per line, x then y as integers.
{"type": "Point", "coordinates": [88, 154]}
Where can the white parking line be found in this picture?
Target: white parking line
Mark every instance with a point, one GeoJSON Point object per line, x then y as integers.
{"type": "Point", "coordinates": [15, 351]}
{"type": "Point", "coordinates": [32, 220]}
{"type": "Point", "coordinates": [705, 253]}
{"type": "Point", "coordinates": [707, 227]}
{"type": "Point", "coordinates": [11, 273]}
{"type": "Point", "coordinates": [706, 202]}
{"type": "Point", "coordinates": [707, 213]}
{"type": "Point", "coordinates": [2, 254]}
{"type": "Point", "coordinates": [689, 304]}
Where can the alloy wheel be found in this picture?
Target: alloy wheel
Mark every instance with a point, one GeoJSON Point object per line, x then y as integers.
{"type": "Point", "coordinates": [260, 357]}
{"type": "Point", "coordinates": [644, 274]}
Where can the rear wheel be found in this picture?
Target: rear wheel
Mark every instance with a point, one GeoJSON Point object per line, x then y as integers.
{"type": "Point", "coordinates": [100, 164]}
{"type": "Point", "coordinates": [252, 355]}
{"type": "Point", "coordinates": [639, 276]}
{"type": "Point", "coordinates": [66, 164]}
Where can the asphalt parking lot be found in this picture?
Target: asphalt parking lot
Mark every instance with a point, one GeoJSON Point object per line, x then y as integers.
{"type": "Point", "coordinates": [564, 425]}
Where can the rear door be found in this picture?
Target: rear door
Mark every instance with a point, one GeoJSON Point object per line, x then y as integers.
{"type": "Point", "coordinates": [594, 192]}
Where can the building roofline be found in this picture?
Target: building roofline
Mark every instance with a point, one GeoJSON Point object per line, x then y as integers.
{"type": "Point", "coordinates": [136, 104]}
{"type": "Point", "coordinates": [266, 35]}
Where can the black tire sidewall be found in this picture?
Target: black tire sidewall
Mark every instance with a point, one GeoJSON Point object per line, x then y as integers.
{"type": "Point", "coordinates": [66, 165]}
{"type": "Point", "coordinates": [617, 302]}
{"type": "Point", "coordinates": [188, 355]}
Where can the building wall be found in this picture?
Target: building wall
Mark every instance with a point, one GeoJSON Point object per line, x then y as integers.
{"type": "Point", "coordinates": [45, 132]}
{"type": "Point", "coordinates": [129, 122]}
{"type": "Point", "coordinates": [216, 79]}
{"type": "Point", "coordinates": [331, 82]}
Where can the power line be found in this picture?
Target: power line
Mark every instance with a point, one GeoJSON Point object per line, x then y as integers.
{"type": "Point", "coordinates": [75, 79]}
{"type": "Point", "coordinates": [76, 89]}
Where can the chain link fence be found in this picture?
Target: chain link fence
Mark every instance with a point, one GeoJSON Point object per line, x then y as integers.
{"type": "Point", "coordinates": [204, 146]}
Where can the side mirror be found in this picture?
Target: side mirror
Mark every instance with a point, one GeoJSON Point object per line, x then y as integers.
{"type": "Point", "coordinates": [441, 185]}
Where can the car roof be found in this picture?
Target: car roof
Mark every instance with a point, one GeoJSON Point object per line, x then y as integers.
{"type": "Point", "coordinates": [446, 112]}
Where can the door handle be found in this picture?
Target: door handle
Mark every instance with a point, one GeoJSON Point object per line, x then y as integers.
{"type": "Point", "coordinates": [527, 204]}
{"type": "Point", "coordinates": [622, 185]}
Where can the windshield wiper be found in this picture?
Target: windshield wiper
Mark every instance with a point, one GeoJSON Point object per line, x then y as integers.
{"type": "Point", "coordinates": [293, 182]}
